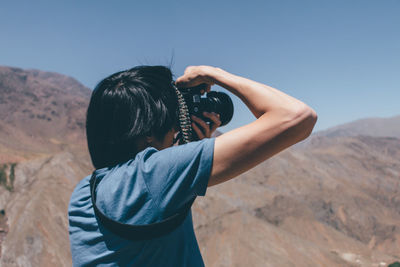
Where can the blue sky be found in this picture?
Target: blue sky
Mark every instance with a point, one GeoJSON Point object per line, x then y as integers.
{"type": "Point", "coordinates": [340, 57]}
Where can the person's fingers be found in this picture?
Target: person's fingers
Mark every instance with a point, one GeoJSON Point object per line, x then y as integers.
{"type": "Point", "coordinates": [182, 82]}
{"type": "Point", "coordinates": [215, 126]}
{"type": "Point", "coordinates": [199, 133]}
{"type": "Point", "coordinates": [189, 80]}
{"type": "Point", "coordinates": [215, 118]}
{"type": "Point", "coordinates": [186, 82]}
{"type": "Point", "coordinates": [196, 75]}
{"type": "Point", "coordinates": [202, 124]}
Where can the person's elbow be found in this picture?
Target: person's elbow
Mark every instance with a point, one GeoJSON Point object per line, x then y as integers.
{"type": "Point", "coordinates": [296, 121]}
{"type": "Point", "coordinates": [306, 120]}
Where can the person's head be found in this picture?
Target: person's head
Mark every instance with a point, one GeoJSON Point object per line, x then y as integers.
{"type": "Point", "coordinates": [129, 111]}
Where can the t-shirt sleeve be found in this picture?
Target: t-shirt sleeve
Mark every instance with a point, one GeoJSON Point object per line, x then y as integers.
{"type": "Point", "coordinates": [176, 174]}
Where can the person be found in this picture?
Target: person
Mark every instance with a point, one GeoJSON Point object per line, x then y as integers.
{"type": "Point", "coordinates": [144, 178]}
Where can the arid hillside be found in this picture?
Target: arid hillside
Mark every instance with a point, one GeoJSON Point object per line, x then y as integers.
{"type": "Point", "coordinates": [42, 156]}
{"type": "Point", "coordinates": [331, 201]}
{"type": "Point", "coordinates": [383, 127]}
{"type": "Point", "coordinates": [40, 113]}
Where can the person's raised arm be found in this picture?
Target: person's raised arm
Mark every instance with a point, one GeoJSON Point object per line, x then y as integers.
{"type": "Point", "coordinates": [281, 122]}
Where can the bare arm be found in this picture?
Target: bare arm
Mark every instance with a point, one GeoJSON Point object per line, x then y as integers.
{"type": "Point", "coordinates": [281, 122]}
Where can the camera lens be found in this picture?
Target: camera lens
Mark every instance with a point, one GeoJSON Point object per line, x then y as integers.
{"type": "Point", "coordinates": [217, 102]}
{"type": "Point", "coordinates": [220, 103]}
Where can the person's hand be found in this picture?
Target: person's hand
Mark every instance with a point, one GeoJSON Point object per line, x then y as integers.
{"type": "Point", "coordinates": [202, 129]}
{"type": "Point", "coordinates": [196, 75]}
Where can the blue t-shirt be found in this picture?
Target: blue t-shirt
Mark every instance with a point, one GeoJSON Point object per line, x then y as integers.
{"type": "Point", "coordinates": [147, 189]}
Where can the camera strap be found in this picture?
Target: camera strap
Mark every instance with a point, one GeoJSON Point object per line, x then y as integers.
{"type": "Point", "coordinates": [142, 231]}
{"type": "Point", "coordinates": [185, 122]}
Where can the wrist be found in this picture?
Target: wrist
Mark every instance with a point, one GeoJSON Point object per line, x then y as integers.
{"type": "Point", "coordinates": [224, 79]}
{"type": "Point", "coordinates": [214, 75]}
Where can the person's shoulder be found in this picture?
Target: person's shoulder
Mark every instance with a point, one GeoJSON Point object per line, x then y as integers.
{"type": "Point", "coordinates": [185, 153]}
{"type": "Point", "coordinates": [150, 153]}
{"type": "Point", "coordinates": [82, 184]}
{"type": "Point", "coordinates": [192, 147]}
{"type": "Point", "coordinates": [81, 191]}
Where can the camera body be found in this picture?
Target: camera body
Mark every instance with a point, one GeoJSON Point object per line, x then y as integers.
{"type": "Point", "coordinates": [214, 101]}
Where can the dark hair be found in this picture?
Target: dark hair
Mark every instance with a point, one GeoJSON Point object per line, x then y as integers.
{"type": "Point", "coordinates": [127, 105]}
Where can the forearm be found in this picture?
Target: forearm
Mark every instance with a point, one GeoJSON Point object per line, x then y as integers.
{"type": "Point", "coordinates": [259, 98]}
{"type": "Point", "coordinates": [281, 122]}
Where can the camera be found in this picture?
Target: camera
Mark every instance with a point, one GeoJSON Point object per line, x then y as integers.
{"type": "Point", "coordinates": [214, 101]}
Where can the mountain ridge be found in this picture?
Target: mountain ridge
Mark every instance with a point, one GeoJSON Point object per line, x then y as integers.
{"type": "Point", "coordinates": [373, 126]}
{"type": "Point", "coordinates": [333, 200]}
{"type": "Point", "coordinates": [40, 112]}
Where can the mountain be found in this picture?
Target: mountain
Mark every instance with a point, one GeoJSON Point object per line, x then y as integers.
{"type": "Point", "coordinates": [40, 113]}
{"type": "Point", "coordinates": [331, 201]}
{"type": "Point", "coordinates": [35, 211]}
{"type": "Point", "coordinates": [42, 157]}
{"type": "Point", "coordinates": [371, 127]}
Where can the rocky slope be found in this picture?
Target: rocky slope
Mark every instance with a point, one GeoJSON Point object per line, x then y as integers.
{"type": "Point", "coordinates": [42, 156]}
{"type": "Point", "coordinates": [40, 113]}
{"type": "Point", "coordinates": [36, 211]}
{"type": "Point", "coordinates": [331, 201]}
{"type": "Point", "coordinates": [334, 202]}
